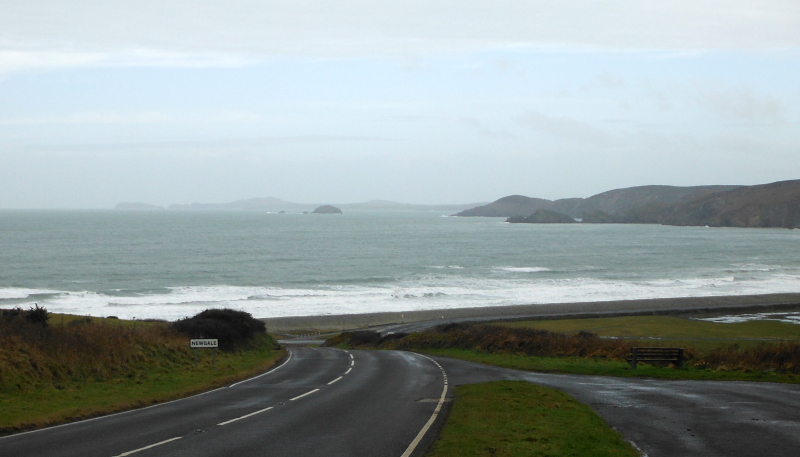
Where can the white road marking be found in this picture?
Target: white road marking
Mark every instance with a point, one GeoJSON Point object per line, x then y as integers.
{"type": "Point", "coordinates": [340, 377]}
{"type": "Point", "coordinates": [245, 416]}
{"type": "Point", "coordinates": [435, 414]}
{"type": "Point", "coordinates": [348, 370]}
{"type": "Point", "coordinates": [146, 407]}
{"type": "Point", "coordinates": [352, 362]}
{"type": "Point", "coordinates": [264, 374]}
{"type": "Point", "coordinates": [148, 447]}
{"type": "Point", "coordinates": [301, 396]}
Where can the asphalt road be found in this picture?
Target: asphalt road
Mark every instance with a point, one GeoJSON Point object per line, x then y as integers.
{"type": "Point", "coordinates": [321, 402]}
{"type": "Point", "coordinates": [674, 418]}
{"type": "Point", "coordinates": [378, 403]}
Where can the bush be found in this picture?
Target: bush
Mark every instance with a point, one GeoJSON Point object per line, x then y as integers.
{"type": "Point", "coordinates": [34, 315]}
{"type": "Point", "coordinates": [232, 328]}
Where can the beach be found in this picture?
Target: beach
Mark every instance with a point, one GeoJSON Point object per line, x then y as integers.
{"type": "Point", "coordinates": [688, 305]}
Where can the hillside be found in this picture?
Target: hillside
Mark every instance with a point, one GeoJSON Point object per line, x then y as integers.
{"type": "Point", "coordinates": [617, 201]}
{"type": "Point", "coordinates": [767, 205]}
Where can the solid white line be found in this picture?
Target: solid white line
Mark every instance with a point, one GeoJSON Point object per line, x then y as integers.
{"type": "Point", "coordinates": [245, 416]}
{"type": "Point", "coordinates": [148, 447]}
{"type": "Point", "coordinates": [424, 430]}
{"type": "Point", "coordinates": [301, 396]}
{"type": "Point", "coordinates": [348, 370]}
{"type": "Point", "coordinates": [335, 380]}
{"type": "Point", "coordinates": [264, 374]}
{"type": "Point", "coordinates": [146, 407]}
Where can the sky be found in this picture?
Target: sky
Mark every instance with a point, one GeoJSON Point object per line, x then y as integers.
{"type": "Point", "coordinates": [343, 101]}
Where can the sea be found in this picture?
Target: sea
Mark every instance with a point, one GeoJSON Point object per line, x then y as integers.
{"type": "Point", "coordinates": [173, 264]}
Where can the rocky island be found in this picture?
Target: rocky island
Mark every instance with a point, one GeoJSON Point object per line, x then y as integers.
{"type": "Point", "coordinates": [327, 209]}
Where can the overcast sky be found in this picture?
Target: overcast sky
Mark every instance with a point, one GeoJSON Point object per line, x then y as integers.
{"type": "Point", "coordinates": [413, 101]}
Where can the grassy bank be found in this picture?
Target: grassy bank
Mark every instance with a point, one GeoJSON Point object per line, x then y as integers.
{"type": "Point", "coordinates": [573, 349]}
{"type": "Point", "coordinates": [512, 418]}
{"type": "Point", "coordinates": [87, 367]}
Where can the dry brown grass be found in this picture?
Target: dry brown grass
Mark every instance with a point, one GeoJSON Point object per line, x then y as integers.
{"type": "Point", "coordinates": [32, 354]}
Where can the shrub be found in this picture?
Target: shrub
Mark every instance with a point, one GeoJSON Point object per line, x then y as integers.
{"type": "Point", "coordinates": [232, 328]}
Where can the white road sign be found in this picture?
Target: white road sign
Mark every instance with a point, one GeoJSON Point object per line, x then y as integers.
{"type": "Point", "coordinates": [204, 343]}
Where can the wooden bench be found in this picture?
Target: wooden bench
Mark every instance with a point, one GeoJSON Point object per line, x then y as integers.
{"type": "Point", "coordinates": [674, 355]}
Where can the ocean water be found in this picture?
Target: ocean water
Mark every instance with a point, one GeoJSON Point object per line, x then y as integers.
{"type": "Point", "coordinates": [174, 264]}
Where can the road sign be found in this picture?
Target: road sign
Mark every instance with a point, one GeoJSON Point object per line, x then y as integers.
{"type": "Point", "coordinates": [203, 343]}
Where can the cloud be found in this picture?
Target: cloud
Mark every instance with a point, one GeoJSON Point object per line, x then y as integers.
{"type": "Point", "coordinates": [16, 60]}
{"type": "Point", "coordinates": [569, 130]}
{"type": "Point", "coordinates": [744, 104]}
{"type": "Point", "coordinates": [145, 117]}
{"type": "Point", "coordinates": [50, 33]}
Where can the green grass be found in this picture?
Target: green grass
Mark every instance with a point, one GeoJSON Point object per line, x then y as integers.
{"type": "Point", "coordinates": [513, 418]}
{"type": "Point", "coordinates": [602, 367]}
{"type": "Point", "coordinates": [107, 366]}
{"type": "Point", "coordinates": [668, 327]}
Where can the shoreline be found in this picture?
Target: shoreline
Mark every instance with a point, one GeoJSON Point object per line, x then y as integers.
{"type": "Point", "coordinates": [683, 305]}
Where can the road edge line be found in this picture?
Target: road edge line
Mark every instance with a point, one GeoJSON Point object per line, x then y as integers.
{"type": "Point", "coordinates": [83, 421]}
{"type": "Point", "coordinates": [427, 426]}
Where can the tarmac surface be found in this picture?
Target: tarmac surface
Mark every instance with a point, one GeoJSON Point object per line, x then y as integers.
{"type": "Point", "coordinates": [674, 418]}
{"type": "Point", "coordinates": [320, 402]}
{"type": "Point", "coordinates": [330, 402]}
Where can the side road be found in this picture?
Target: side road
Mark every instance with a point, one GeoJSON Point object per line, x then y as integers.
{"type": "Point", "coordinates": [674, 418]}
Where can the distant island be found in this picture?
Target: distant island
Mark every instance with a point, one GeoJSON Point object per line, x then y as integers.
{"type": "Point", "coordinates": [136, 206]}
{"type": "Point", "coordinates": [766, 205]}
{"type": "Point", "coordinates": [327, 209]}
{"type": "Point", "coordinates": [271, 204]}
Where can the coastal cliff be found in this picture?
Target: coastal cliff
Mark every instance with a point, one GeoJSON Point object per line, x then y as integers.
{"type": "Point", "coordinates": [767, 205]}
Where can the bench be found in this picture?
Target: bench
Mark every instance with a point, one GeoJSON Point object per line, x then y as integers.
{"type": "Point", "coordinates": [674, 355]}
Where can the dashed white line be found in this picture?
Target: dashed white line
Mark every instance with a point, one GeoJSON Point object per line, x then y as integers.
{"type": "Point", "coordinates": [340, 377]}
{"type": "Point", "coordinates": [348, 370]}
{"type": "Point", "coordinates": [245, 416]}
{"type": "Point", "coordinates": [301, 396]}
{"type": "Point", "coordinates": [148, 447]}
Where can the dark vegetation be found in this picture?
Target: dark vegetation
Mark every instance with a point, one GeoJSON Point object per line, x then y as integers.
{"type": "Point", "coordinates": [779, 357]}
{"type": "Point", "coordinates": [232, 328]}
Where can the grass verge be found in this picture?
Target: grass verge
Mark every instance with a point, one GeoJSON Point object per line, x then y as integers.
{"type": "Point", "coordinates": [604, 367]}
{"type": "Point", "coordinates": [88, 367]}
{"type": "Point", "coordinates": [514, 418]}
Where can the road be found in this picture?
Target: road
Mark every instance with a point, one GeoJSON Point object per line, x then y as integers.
{"type": "Point", "coordinates": [674, 418]}
{"type": "Point", "coordinates": [325, 401]}
{"type": "Point", "coordinates": [320, 402]}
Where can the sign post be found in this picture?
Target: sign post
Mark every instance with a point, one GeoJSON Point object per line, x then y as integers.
{"type": "Point", "coordinates": [196, 344]}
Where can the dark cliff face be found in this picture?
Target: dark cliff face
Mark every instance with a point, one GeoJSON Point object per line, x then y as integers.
{"type": "Point", "coordinates": [543, 216]}
{"type": "Point", "coordinates": [768, 205]}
